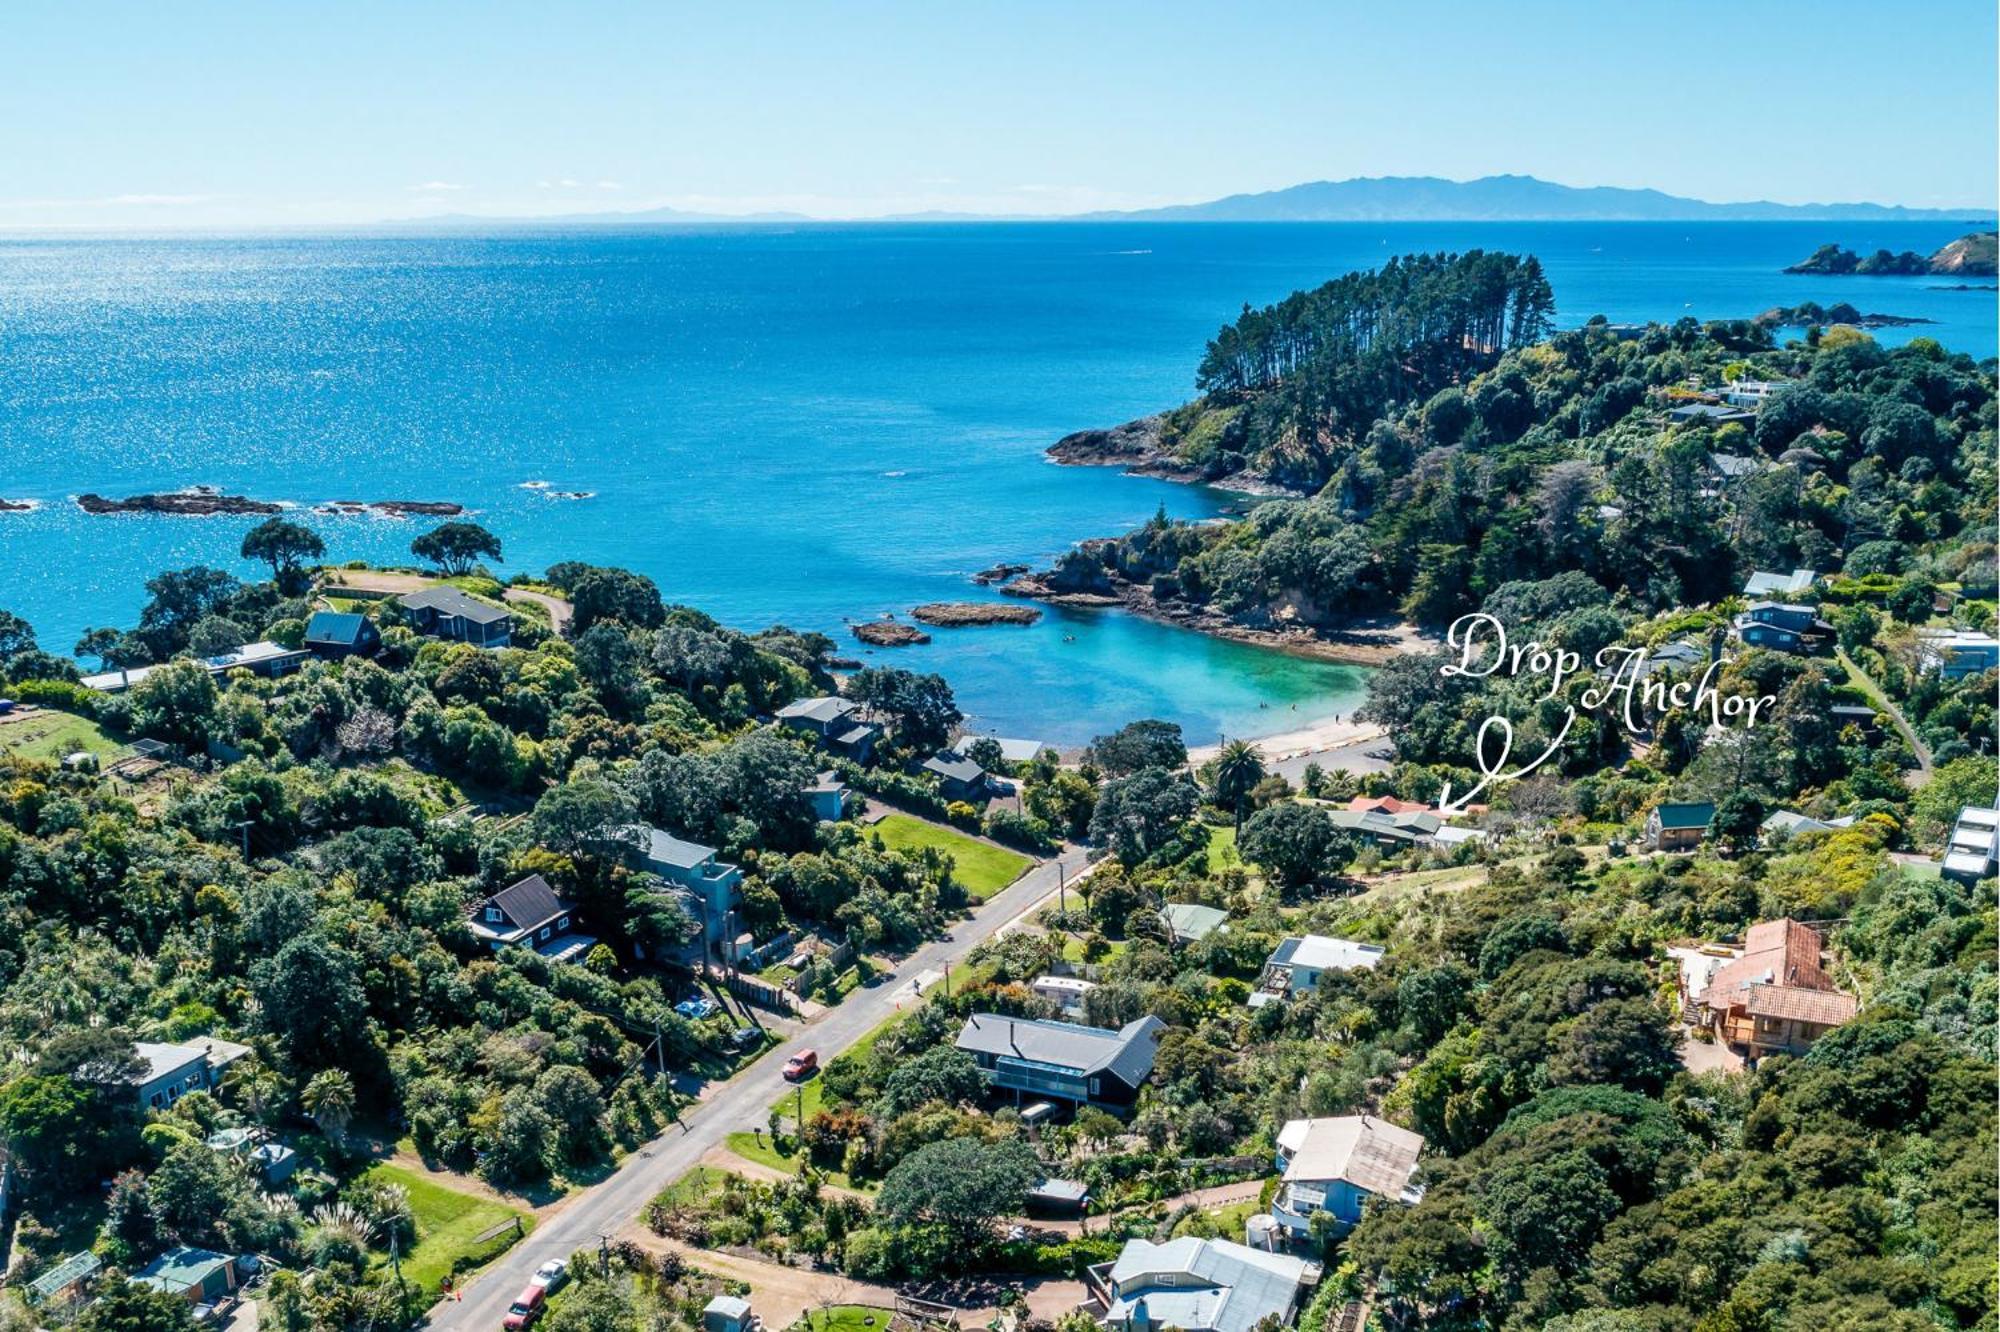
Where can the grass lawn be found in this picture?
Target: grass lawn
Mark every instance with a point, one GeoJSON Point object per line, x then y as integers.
{"type": "Point", "coordinates": [1222, 849]}
{"type": "Point", "coordinates": [448, 1226]}
{"type": "Point", "coordinates": [1073, 949]}
{"type": "Point", "coordinates": [47, 734]}
{"type": "Point", "coordinates": [757, 1149]}
{"type": "Point", "coordinates": [691, 1188]}
{"type": "Point", "coordinates": [844, 1318]}
{"type": "Point", "coordinates": [984, 869]}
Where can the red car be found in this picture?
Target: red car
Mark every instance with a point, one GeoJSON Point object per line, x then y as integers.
{"type": "Point", "coordinates": [801, 1065]}
{"type": "Point", "coordinates": [526, 1308]}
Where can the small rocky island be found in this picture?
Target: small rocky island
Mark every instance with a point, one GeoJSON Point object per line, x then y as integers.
{"type": "Point", "coordinates": [208, 501]}
{"type": "Point", "coordinates": [889, 633]}
{"type": "Point", "coordinates": [1968, 256]}
{"type": "Point", "coordinates": [193, 502]}
{"type": "Point", "coordinates": [1807, 313]}
{"type": "Point", "coordinates": [954, 614]}
{"type": "Point", "coordinates": [390, 508]}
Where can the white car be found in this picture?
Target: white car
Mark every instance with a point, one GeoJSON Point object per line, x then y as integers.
{"type": "Point", "coordinates": [551, 1275]}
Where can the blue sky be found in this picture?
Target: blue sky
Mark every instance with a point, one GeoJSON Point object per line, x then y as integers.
{"type": "Point", "coordinates": [196, 114]}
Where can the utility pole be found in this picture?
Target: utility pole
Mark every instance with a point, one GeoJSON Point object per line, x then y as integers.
{"type": "Point", "coordinates": [603, 1254]}
{"type": "Point", "coordinates": [1062, 890]}
{"type": "Point", "coordinates": [947, 980]}
{"type": "Point", "coordinates": [242, 826]}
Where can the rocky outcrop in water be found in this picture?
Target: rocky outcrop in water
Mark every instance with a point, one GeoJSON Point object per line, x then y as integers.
{"type": "Point", "coordinates": [1807, 313]}
{"type": "Point", "coordinates": [952, 614]}
{"type": "Point", "coordinates": [194, 502]}
{"type": "Point", "coordinates": [889, 633]}
{"type": "Point", "coordinates": [390, 508]}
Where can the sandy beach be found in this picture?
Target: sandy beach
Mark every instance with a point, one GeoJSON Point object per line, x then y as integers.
{"type": "Point", "coordinates": [1312, 738]}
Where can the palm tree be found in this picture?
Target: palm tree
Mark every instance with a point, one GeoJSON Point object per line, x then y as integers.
{"type": "Point", "coordinates": [1238, 768]}
{"type": "Point", "coordinates": [329, 1099]}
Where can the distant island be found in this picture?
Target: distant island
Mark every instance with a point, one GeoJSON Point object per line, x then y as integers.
{"type": "Point", "coordinates": [1968, 256]}
{"type": "Point", "coordinates": [1808, 313]}
{"type": "Point", "coordinates": [1362, 199]}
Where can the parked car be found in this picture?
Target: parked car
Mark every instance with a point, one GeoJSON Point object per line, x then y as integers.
{"type": "Point", "coordinates": [801, 1065]}
{"type": "Point", "coordinates": [696, 1007]}
{"type": "Point", "coordinates": [526, 1308]}
{"type": "Point", "coordinates": [551, 1276]}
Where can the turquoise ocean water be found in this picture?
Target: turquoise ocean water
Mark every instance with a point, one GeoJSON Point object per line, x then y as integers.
{"type": "Point", "coordinates": [800, 424]}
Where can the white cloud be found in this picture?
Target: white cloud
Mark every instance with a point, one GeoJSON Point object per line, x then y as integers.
{"type": "Point", "coordinates": [435, 187]}
{"type": "Point", "coordinates": [610, 185]}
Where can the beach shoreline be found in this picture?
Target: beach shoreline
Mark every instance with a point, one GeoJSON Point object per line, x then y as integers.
{"type": "Point", "coordinates": [1315, 736]}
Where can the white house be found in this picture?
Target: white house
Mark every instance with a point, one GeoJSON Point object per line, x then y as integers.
{"type": "Point", "coordinates": [1298, 962]}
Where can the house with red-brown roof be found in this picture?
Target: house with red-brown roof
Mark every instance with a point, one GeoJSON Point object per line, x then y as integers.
{"type": "Point", "coordinates": [1772, 997]}
{"type": "Point", "coordinates": [1387, 805]}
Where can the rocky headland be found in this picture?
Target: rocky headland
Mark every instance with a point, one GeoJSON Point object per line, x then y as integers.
{"type": "Point", "coordinates": [1143, 448]}
{"type": "Point", "coordinates": [1085, 579]}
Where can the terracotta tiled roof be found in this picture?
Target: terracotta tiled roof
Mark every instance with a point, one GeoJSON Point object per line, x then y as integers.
{"type": "Point", "coordinates": [1775, 952]}
{"type": "Point", "coordinates": [1829, 1008]}
{"type": "Point", "coordinates": [1387, 805]}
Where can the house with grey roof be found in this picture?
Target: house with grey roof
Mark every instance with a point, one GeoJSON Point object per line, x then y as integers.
{"type": "Point", "coordinates": [530, 914]}
{"type": "Point", "coordinates": [1336, 1165]}
{"type": "Point", "coordinates": [1779, 586]}
{"type": "Point", "coordinates": [835, 723]}
{"type": "Point", "coordinates": [1783, 824]}
{"type": "Point", "coordinates": [269, 660]}
{"type": "Point", "coordinates": [1782, 627]}
{"type": "Point", "coordinates": [171, 1070]}
{"type": "Point", "coordinates": [1299, 961]}
{"type": "Point", "coordinates": [1954, 654]}
{"type": "Point", "coordinates": [1973, 852]}
{"type": "Point", "coordinates": [446, 612]}
{"type": "Point", "coordinates": [1200, 1285]}
{"type": "Point", "coordinates": [1390, 831]}
{"type": "Point", "coordinates": [711, 889]}
{"type": "Point", "coordinates": [828, 796]}
{"type": "Point", "coordinates": [959, 778]}
{"type": "Point", "coordinates": [337, 634]}
{"type": "Point", "coordinates": [1039, 1060]}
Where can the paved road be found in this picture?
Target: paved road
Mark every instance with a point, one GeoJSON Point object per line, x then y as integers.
{"type": "Point", "coordinates": [741, 1103]}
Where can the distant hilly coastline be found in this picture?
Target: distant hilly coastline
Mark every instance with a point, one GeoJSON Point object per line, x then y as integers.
{"type": "Point", "coordinates": [1507, 199]}
{"type": "Point", "coordinates": [1364, 199]}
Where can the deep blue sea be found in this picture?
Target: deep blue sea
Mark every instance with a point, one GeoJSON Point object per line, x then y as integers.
{"type": "Point", "coordinates": [805, 425]}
